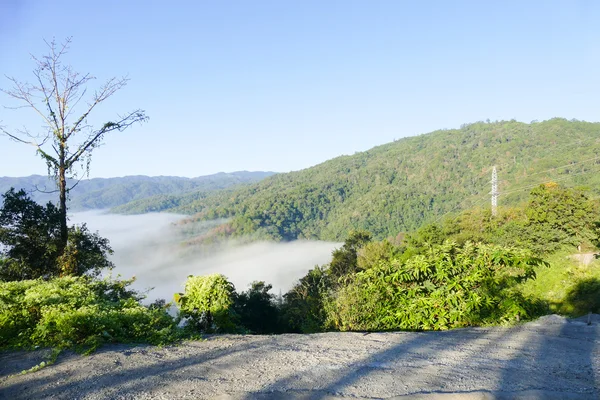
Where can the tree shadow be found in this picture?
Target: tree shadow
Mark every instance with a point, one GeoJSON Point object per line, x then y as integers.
{"type": "Point", "coordinates": [411, 355]}
{"type": "Point", "coordinates": [124, 382]}
{"type": "Point", "coordinates": [583, 298]}
{"type": "Point", "coordinates": [532, 358]}
{"type": "Point", "coordinates": [537, 363]}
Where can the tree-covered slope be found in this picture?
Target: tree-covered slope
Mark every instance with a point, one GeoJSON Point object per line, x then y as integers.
{"type": "Point", "coordinates": [401, 185]}
{"type": "Point", "coordinates": [100, 193]}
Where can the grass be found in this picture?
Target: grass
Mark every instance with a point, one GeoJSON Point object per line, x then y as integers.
{"type": "Point", "coordinates": [568, 287]}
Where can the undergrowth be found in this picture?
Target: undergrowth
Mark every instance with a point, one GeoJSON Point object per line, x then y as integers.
{"type": "Point", "coordinates": [567, 286]}
{"type": "Point", "coordinates": [79, 313]}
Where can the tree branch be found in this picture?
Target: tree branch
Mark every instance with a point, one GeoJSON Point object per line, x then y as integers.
{"type": "Point", "coordinates": [107, 90]}
{"type": "Point", "coordinates": [125, 122]}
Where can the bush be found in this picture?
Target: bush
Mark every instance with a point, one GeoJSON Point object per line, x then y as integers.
{"type": "Point", "coordinates": [449, 287]}
{"type": "Point", "coordinates": [303, 307]}
{"type": "Point", "coordinates": [208, 302]}
{"type": "Point", "coordinates": [30, 243]}
{"type": "Point", "coordinates": [78, 312]}
{"type": "Point", "coordinates": [257, 310]}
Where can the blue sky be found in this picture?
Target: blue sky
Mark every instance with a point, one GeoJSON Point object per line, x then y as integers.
{"type": "Point", "coordinates": [284, 85]}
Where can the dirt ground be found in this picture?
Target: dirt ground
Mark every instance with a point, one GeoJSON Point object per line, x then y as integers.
{"type": "Point", "coordinates": [552, 358]}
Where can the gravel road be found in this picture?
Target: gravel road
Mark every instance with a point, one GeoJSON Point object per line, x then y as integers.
{"type": "Point", "coordinates": [552, 358]}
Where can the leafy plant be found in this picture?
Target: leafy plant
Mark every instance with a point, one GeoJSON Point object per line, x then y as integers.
{"type": "Point", "coordinates": [208, 303]}
{"type": "Point", "coordinates": [450, 286]}
{"type": "Point", "coordinates": [30, 235]}
{"type": "Point", "coordinates": [78, 312]}
{"type": "Point", "coordinates": [257, 310]}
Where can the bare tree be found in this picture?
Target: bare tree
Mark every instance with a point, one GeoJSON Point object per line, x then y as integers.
{"type": "Point", "coordinates": [67, 141]}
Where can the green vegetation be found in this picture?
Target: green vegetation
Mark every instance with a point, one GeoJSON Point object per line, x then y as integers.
{"type": "Point", "coordinates": [568, 286]}
{"type": "Point", "coordinates": [552, 218]}
{"type": "Point", "coordinates": [466, 270]}
{"type": "Point", "coordinates": [78, 312]}
{"type": "Point", "coordinates": [449, 286]}
{"type": "Point", "coordinates": [400, 186]}
{"type": "Point", "coordinates": [208, 303]}
{"type": "Point", "coordinates": [30, 235]}
{"type": "Point", "coordinates": [460, 270]}
{"type": "Point", "coordinates": [258, 309]}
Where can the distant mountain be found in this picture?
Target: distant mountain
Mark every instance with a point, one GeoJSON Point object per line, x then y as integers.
{"type": "Point", "coordinates": [399, 186]}
{"type": "Point", "coordinates": [101, 193]}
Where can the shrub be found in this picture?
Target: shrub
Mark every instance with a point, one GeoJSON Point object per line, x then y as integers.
{"type": "Point", "coordinates": [208, 302]}
{"type": "Point", "coordinates": [303, 307]}
{"type": "Point", "coordinates": [449, 287]}
{"type": "Point", "coordinates": [257, 310]}
{"type": "Point", "coordinates": [78, 312]}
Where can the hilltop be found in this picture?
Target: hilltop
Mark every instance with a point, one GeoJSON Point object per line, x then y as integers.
{"type": "Point", "coordinates": [399, 186]}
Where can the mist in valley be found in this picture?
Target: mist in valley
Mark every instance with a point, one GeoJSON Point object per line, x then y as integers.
{"type": "Point", "coordinates": [150, 247]}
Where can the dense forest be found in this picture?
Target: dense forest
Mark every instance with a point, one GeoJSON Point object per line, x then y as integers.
{"type": "Point", "coordinates": [102, 193]}
{"type": "Point", "coordinates": [399, 186]}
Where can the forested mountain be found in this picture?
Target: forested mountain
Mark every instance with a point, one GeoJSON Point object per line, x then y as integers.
{"type": "Point", "coordinates": [99, 193]}
{"type": "Point", "coordinates": [399, 186]}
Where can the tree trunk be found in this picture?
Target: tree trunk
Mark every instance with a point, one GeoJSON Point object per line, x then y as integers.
{"type": "Point", "coordinates": [62, 187]}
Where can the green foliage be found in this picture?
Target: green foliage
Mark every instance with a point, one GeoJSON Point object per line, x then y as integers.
{"type": "Point", "coordinates": [30, 234]}
{"type": "Point", "coordinates": [78, 312]}
{"type": "Point", "coordinates": [553, 217]}
{"type": "Point", "coordinates": [208, 303]}
{"type": "Point", "coordinates": [568, 286]}
{"type": "Point", "coordinates": [86, 253]}
{"type": "Point", "coordinates": [400, 186]}
{"type": "Point", "coordinates": [560, 216]}
{"type": "Point", "coordinates": [303, 307]}
{"type": "Point", "coordinates": [450, 286]}
{"type": "Point", "coordinates": [345, 259]}
{"type": "Point", "coordinates": [257, 310]}
{"type": "Point", "coordinates": [374, 253]}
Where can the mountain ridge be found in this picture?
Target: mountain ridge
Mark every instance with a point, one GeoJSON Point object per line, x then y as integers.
{"type": "Point", "coordinates": [102, 193]}
{"type": "Point", "coordinates": [399, 186]}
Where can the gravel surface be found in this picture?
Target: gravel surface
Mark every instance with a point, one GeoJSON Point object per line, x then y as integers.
{"type": "Point", "coordinates": [552, 358]}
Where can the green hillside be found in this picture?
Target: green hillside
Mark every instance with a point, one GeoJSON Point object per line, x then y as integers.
{"type": "Point", "coordinates": [401, 185]}
{"type": "Point", "coordinates": [100, 193]}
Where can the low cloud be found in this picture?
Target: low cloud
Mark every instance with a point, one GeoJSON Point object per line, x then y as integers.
{"type": "Point", "coordinates": [149, 247]}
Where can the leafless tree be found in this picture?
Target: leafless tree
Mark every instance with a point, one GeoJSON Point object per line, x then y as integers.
{"type": "Point", "coordinates": [67, 140]}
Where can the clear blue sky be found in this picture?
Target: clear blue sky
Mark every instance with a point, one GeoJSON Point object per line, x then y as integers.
{"type": "Point", "coordinates": [284, 85]}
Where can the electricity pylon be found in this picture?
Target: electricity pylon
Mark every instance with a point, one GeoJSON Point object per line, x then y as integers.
{"type": "Point", "coordinates": [494, 192]}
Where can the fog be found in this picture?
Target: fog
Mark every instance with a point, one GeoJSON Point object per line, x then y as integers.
{"type": "Point", "coordinates": [149, 247]}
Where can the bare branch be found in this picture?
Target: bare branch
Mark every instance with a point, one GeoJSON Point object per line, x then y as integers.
{"type": "Point", "coordinates": [17, 139]}
{"type": "Point", "coordinates": [95, 137]}
{"type": "Point", "coordinates": [76, 183]}
{"type": "Point", "coordinates": [47, 97]}
{"type": "Point", "coordinates": [37, 189]}
{"type": "Point", "coordinates": [20, 91]}
{"type": "Point", "coordinates": [107, 90]}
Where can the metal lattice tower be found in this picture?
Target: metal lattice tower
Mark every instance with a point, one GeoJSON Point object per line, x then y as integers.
{"type": "Point", "coordinates": [494, 192]}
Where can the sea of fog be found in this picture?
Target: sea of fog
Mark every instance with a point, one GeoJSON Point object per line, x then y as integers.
{"type": "Point", "coordinates": [149, 247]}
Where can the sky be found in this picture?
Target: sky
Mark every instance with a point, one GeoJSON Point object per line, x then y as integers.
{"type": "Point", "coordinates": [284, 85]}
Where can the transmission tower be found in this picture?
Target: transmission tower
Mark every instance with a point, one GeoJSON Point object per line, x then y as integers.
{"type": "Point", "coordinates": [494, 192]}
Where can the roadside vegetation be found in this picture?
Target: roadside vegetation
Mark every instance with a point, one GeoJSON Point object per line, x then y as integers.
{"type": "Point", "coordinates": [467, 270]}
